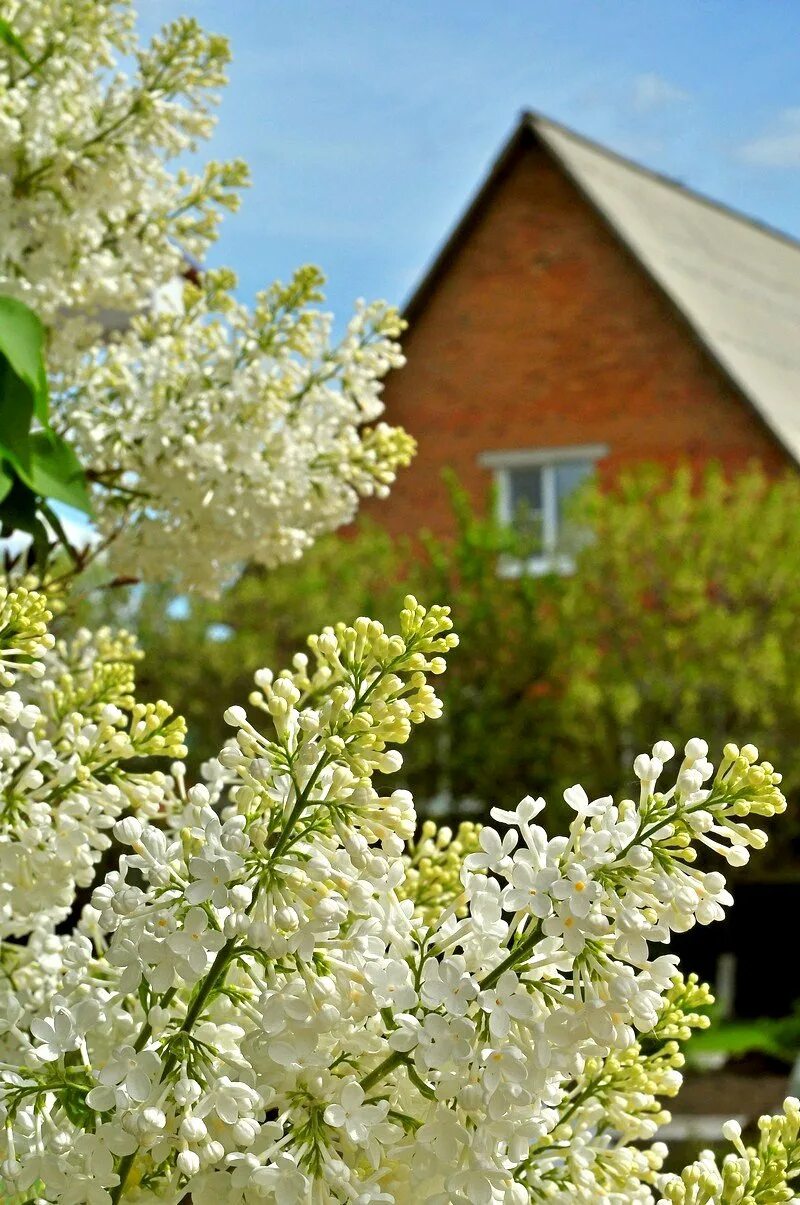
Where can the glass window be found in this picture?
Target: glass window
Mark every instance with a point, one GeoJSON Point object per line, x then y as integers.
{"type": "Point", "coordinates": [526, 488]}
{"type": "Point", "coordinates": [570, 476]}
{"type": "Point", "coordinates": [525, 505]}
{"type": "Point", "coordinates": [535, 499]}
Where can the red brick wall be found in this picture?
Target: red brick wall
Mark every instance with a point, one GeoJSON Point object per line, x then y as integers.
{"type": "Point", "coordinates": [544, 332]}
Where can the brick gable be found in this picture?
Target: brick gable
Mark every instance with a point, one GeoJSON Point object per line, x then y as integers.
{"type": "Point", "coordinates": [542, 330]}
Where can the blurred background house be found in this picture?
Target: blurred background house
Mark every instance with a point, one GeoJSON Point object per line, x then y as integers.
{"type": "Point", "coordinates": [586, 314]}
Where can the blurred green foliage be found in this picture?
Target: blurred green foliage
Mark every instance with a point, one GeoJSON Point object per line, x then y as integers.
{"type": "Point", "coordinates": [681, 618]}
{"type": "Point", "coordinates": [777, 1037]}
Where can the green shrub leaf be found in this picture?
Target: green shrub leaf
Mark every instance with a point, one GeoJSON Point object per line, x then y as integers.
{"type": "Point", "coordinates": [22, 342]}
{"type": "Point", "coordinates": [55, 471]}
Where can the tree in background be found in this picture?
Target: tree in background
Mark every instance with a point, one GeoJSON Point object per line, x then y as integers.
{"type": "Point", "coordinates": [684, 607]}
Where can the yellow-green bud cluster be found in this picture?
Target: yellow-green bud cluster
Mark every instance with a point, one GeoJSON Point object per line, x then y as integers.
{"type": "Point", "coordinates": [92, 671]}
{"type": "Point", "coordinates": [745, 786]}
{"type": "Point", "coordinates": [681, 1014]}
{"type": "Point", "coordinates": [155, 730]}
{"type": "Point", "coordinates": [761, 1175]}
{"type": "Point", "coordinates": [63, 774]}
{"type": "Point", "coordinates": [382, 451]}
{"type": "Point", "coordinates": [24, 638]}
{"type": "Point", "coordinates": [434, 865]}
{"type": "Point", "coordinates": [339, 711]}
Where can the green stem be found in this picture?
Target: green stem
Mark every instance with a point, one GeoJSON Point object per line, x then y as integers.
{"type": "Point", "coordinates": [216, 970]}
{"type": "Point", "coordinates": [516, 956]}
{"type": "Point", "coordinates": [146, 1030]}
{"type": "Point", "coordinates": [214, 974]}
{"type": "Point", "coordinates": [126, 1163]}
{"type": "Point", "coordinates": [376, 1075]}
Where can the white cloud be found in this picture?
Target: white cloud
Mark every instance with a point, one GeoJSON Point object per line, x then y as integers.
{"type": "Point", "coordinates": [778, 146]}
{"type": "Point", "coordinates": [651, 91]}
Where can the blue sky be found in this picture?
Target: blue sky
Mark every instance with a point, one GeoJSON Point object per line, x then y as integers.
{"type": "Point", "coordinates": [368, 125]}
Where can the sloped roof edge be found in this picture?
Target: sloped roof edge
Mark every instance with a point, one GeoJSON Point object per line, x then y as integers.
{"type": "Point", "coordinates": [535, 120]}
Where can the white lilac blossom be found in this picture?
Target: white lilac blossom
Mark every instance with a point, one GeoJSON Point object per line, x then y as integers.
{"type": "Point", "coordinates": [279, 995]}
{"type": "Point", "coordinates": [71, 734]}
{"type": "Point", "coordinates": [214, 434]}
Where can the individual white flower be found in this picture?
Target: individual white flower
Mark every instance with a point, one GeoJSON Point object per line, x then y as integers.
{"type": "Point", "coordinates": [211, 877]}
{"type": "Point", "coordinates": [351, 1114]}
{"type": "Point", "coordinates": [392, 984]}
{"type": "Point", "coordinates": [443, 1040]}
{"type": "Point", "coordinates": [564, 923]}
{"type": "Point", "coordinates": [503, 1066]}
{"type": "Point", "coordinates": [133, 1071]}
{"type": "Point", "coordinates": [530, 888]}
{"type": "Point", "coordinates": [447, 982]}
{"type": "Point", "coordinates": [229, 1100]}
{"type": "Point", "coordinates": [507, 1001]}
{"type": "Point", "coordinates": [523, 814]}
{"type": "Point", "coordinates": [195, 942]}
{"type": "Point", "coordinates": [579, 801]}
{"type": "Point", "coordinates": [57, 1035]}
{"type": "Point", "coordinates": [406, 1034]}
{"type": "Point", "coordinates": [577, 889]}
{"type": "Point", "coordinates": [281, 1180]}
{"type": "Point", "coordinates": [496, 851]}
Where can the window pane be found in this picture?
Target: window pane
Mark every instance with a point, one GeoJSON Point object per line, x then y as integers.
{"type": "Point", "coordinates": [570, 474]}
{"type": "Point", "coordinates": [525, 488]}
{"type": "Point", "coordinates": [526, 505]}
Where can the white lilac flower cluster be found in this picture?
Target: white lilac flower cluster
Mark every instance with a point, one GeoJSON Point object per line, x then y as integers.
{"type": "Point", "coordinates": [235, 436]}
{"type": "Point", "coordinates": [214, 434]}
{"type": "Point", "coordinates": [278, 996]}
{"type": "Point", "coordinates": [72, 738]}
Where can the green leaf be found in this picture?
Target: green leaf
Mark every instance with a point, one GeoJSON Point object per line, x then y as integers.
{"type": "Point", "coordinates": [6, 480]}
{"type": "Point", "coordinates": [22, 340]}
{"type": "Point", "coordinates": [736, 1038]}
{"type": "Point", "coordinates": [12, 40]}
{"type": "Point", "coordinates": [18, 512]}
{"type": "Point", "coordinates": [55, 471]}
{"type": "Point", "coordinates": [16, 415]}
{"type": "Point", "coordinates": [73, 1101]}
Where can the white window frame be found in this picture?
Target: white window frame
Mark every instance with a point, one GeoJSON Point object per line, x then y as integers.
{"type": "Point", "coordinates": [546, 459]}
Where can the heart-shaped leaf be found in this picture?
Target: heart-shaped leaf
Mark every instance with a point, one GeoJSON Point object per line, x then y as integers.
{"type": "Point", "coordinates": [55, 471]}
{"type": "Point", "coordinates": [22, 343]}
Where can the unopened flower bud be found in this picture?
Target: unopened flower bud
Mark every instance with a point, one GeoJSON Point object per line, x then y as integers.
{"type": "Point", "coordinates": [188, 1163]}
{"type": "Point", "coordinates": [193, 1129]}
{"type": "Point", "coordinates": [128, 830]}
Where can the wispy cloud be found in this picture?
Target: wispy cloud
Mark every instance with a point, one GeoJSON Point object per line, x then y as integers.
{"type": "Point", "coordinates": [651, 91]}
{"type": "Point", "coordinates": [778, 146]}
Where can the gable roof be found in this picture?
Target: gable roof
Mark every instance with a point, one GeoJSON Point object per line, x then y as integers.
{"type": "Point", "coordinates": [735, 282]}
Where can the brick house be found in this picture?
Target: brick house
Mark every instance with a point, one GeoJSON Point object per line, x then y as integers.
{"type": "Point", "coordinates": [584, 314]}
